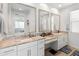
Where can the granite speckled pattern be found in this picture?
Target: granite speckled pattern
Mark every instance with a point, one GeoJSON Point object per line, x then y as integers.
{"type": "Point", "coordinates": [21, 40]}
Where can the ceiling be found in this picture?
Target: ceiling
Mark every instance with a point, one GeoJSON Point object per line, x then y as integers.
{"type": "Point", "coordinates": [50, 5]}
{"type": "Point", "coordinates": [56, 5]}
{"type": "Point", "coordinates": [20, 8]}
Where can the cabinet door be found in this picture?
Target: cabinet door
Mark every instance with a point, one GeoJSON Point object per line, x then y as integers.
{"type": "Point", "coordinates": [13, 53]}
{"type": "Point", "coordinates": [66, 39]}
{"type": "Point", "coordinates": [23, 52]}
{"type": "Point", "coordinates": [9, 51]}
{"type": "Point", "coordinates": [28, 49]}
{"type": "Point", "coordinates": [62, 41]}
{"type": "Point", "coordinates": [33, 51]}
{"type": "Point", "coordinates": [41, 50]}
{"type": "Point", "coordinates": [10, 54]}
{"type": "Point", "coordinates": [41, 47]}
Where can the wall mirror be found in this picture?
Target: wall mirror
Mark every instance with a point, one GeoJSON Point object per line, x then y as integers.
{"type": "Point", "coordinates": [44, 21]}
{"type": "Point", "coordinates": [23, 18]}
{"type": "Point", "coordinates": [1, 25]}
{"type": "Point", "coordinates": [56, 22]}
{"type": "Point", "coordinates": [1, 7]}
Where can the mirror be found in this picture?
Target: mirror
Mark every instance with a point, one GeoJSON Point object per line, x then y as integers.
{"type": "Point", "coordinates": [19, 18]}
{"type": "Point", "coordinates": [0, 24]}
{"type": "Point", "coordinates": [1, 7]}
{"type": "Point", "coordinates": [55, 22]}
{"type": "Point", "coordinates": [44, 21]}
{"type": "Point", "coordinates": [23, 18]}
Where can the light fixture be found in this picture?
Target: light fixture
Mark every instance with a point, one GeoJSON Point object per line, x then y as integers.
{"type": "Point", "coordinates": [54, 10]}
{"type": "Point", "coordinates": [20, 8]}
{"type": "Point", "coordinates": [60, 5]}
{"type": "Point", "coordinates": [44, 6]}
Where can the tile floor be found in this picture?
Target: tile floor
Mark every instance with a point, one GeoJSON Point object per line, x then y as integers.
{"type": "Point", "coordinates": [60, 53]}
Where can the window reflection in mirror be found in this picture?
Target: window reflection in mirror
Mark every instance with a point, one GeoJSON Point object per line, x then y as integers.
{"type": "Point", "coordinates": [19, 23]}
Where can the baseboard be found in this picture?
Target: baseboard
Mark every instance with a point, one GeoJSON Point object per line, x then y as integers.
{"type": "Point", "coordinates": [74, 46]}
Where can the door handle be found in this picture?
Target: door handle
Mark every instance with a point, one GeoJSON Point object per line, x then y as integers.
{"type": "Point", "coordinates": [30, 52]}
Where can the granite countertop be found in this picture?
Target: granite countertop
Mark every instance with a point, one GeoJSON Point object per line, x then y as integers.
{"type": "Point", "coordinates": [21, 40]}
{"type": "Point", "coordinates": [55, 35]}
{"type": "Point", "coordinates": [17, 41]}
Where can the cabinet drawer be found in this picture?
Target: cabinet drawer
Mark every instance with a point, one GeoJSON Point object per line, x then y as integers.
{"type": "Point", "coordinates": [12, 53]}
{"type": "Point", "coordinates": [8, 49]}
{"type": "Point", "coordinates": [42, 41]}
{"type": "Point", "coordinates": [50, 41]}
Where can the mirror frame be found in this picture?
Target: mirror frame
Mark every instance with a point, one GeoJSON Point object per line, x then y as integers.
{"type": "Point", "coordinates": [54, 22]}
{"type": "Point", "coordinates": [39, 18]}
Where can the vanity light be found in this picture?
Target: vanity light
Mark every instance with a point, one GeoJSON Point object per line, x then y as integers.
{"type": "Point", "coordinates": [44, 6]}
{"type": "Point", "coordinates": [59, 5]}
{"type": "Point", "coordinates": [54, 10]}
{"type": "Point", "coordinates": [20, 8]}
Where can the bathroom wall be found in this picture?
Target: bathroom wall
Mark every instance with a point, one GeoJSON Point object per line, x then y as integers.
{"type": "Point", "coordinates": [65, 24]}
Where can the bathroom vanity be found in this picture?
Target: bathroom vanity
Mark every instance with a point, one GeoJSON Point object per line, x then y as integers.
{"type": "Point", "coordinates": [33, 46]}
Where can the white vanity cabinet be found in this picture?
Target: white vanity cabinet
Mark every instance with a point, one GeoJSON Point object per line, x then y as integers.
{"type": "Point", "coordinates": [35, 48]}
{"type": "Point", "coordinates": [28, 49]}
{"type": "Point", "coordinates": [9, 51]}
{"type": "Point", "coordinates": [41, 47]}
{"type": "Point", "coordinates": [60, 43]}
